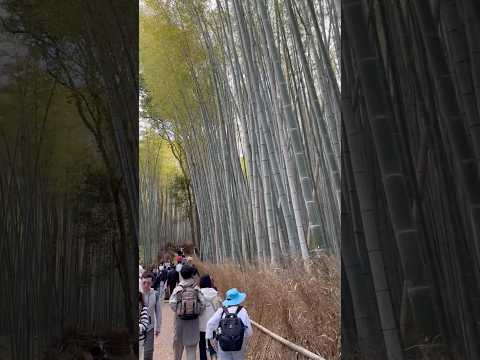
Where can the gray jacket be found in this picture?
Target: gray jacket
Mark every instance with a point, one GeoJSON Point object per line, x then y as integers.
{"type": "Point", "coordinates": [154, 309]}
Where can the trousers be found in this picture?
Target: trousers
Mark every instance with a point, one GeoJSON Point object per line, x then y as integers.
{"type": "Point", "coordinates": [141, 350]}
{"type": "Point", "coordinates": [232, 355]}
{"type": "Point", "coordinates": [191, 351]}
{"type": "Point", "coordinates": [149, 344]}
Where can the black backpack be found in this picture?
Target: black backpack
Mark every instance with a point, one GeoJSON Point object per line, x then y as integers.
{"type": "Point", "coordinates": [231, 331]}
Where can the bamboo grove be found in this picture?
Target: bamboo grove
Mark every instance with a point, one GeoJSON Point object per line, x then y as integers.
{"type": "Point", "coordinates": [410, 180]}
{"type": "Point", "coordinates": [249, 91]}
{"type": "Point", "coordinates": [62, 136]}
{"type": "Point", "coordinates": [165, 202]}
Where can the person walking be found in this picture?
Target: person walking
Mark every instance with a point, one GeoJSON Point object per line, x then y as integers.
{"type": "Point", "coordinates": [157, 282]}
{"type": "Point", "coordinates": [178, 267]}
{"type": "Point", "coordinates": [162, 278]}
{"type": "Point", "coordinates": [172, 279]}
{"type": "Point", "coordinates": [187, 302]}
{"type": "Point", "coordinates": [234, 327]}
{"type": "Point", "coordinates": [196, 274]}
{"type": "Point", "coordinates": [153, 302]}
{"type": "Point", "coordinates": [143, 323]}
{"type": "Point", "coordinates": [212, 303]}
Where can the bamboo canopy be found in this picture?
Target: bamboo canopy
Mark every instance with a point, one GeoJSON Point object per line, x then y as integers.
{"type": "Point", "coordinates": [164, 221]}
{"type": "Point", "coordinates": [253, 106]}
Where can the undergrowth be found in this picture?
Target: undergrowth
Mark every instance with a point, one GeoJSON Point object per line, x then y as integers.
{"type": "Point", "coordinates": [302, 307]}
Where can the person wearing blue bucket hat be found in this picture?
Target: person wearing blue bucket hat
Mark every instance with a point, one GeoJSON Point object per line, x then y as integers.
{"type": "Point", "coordinates": [234, 297]}
{"type": "Point", "coordinates": [232, 327]}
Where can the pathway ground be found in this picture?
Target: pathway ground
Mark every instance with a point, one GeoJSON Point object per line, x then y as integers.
{"type": "Point", "coordinates": [163, 344]}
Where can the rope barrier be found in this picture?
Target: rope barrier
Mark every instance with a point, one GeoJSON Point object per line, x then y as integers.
{"type": "Point", "coordinates": [292, 346]}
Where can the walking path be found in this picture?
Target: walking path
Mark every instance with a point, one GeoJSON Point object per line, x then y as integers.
{"type": "Point", "coordinates": [164, 342]}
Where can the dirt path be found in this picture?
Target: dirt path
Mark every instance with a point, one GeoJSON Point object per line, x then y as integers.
{"type": "Point", "coordinates": [164, 342]}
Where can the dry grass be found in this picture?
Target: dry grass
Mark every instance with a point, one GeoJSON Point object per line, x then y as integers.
{"type": "Point", "coordinates": [299, 306]}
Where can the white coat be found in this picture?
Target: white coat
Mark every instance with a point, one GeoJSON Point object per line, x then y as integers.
{"type": "Point", "coordinates": [212, 303]}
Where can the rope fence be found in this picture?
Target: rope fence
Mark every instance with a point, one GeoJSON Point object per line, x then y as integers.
{"type": "Point", "coordinates": [306, 353]}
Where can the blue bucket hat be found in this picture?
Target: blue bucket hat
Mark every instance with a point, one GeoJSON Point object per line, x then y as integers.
{"type": "Point", "coordinates": [234, 297]}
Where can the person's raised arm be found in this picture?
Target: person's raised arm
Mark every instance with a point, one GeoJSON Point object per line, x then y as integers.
{"type": "Point", "coordinates": [213, 323]}
{"type": "Point", "coordinates": [247, 323]}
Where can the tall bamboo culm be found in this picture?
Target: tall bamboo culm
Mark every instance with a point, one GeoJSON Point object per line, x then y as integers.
{"type": "Point", "coordinates": [259, 124]}
{"type": "Point", "coordinates": [410, 119]}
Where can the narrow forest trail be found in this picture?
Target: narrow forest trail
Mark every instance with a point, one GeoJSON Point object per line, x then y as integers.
{"type": "Point", "coordinates": [164, 342]}
{"type": "Point", "coordinates": [243, 172]}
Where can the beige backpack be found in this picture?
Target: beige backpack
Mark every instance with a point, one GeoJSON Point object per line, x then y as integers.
{"type": "Point", "coordinates": [189, 306]}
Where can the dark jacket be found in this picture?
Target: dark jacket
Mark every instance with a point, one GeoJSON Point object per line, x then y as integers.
{"type": "Point", "coordinates": [172, 276]}
{"type": "Point", "coordinates": [163, 275]}
{"type": "Point", "coordinates": [156, 282]}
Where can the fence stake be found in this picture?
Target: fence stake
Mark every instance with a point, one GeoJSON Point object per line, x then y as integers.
{"type": "Point", "coordinates": [289, 344]}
